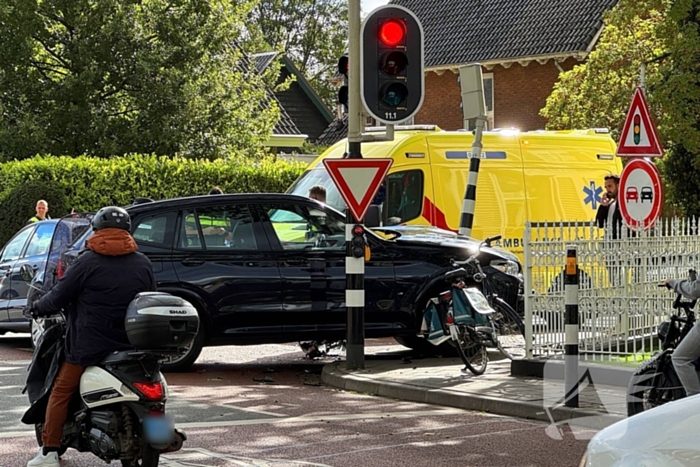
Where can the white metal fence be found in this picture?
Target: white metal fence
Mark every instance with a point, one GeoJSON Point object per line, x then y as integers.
{"type": "Point", "coordinates": [620, 303]}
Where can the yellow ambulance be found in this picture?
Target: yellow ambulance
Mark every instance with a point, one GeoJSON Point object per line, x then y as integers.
{"type": "Point", "coordinates": [540, 176]}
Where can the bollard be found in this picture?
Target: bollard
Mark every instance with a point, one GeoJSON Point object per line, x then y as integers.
{"type": "Point", "coordinates": [571, 328]}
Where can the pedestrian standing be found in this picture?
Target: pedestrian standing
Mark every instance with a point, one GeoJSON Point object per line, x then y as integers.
{"type": "Point", "coordinates": [42, 209]}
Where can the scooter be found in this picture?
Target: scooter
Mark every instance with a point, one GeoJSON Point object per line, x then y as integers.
{"type": "Point", "coordinates": [119, 411]}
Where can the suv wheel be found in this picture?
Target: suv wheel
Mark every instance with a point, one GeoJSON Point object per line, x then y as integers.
{"type": "Point", "coordinates": [186, 360]}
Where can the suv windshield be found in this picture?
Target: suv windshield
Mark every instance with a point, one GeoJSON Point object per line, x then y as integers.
{"type": "Point", "coordinates": [401, 194]}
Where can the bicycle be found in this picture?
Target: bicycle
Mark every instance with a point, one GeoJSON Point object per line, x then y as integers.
{"type": "Point", "coordinates": [655, 382]}
{"type": "Point", "coordinates": [508, 325]}
{"type": "Point", "coordinates": [464, 315]}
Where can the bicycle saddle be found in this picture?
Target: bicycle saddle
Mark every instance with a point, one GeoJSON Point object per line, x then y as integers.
{"type": "Point", "coordinates": [456, 274]}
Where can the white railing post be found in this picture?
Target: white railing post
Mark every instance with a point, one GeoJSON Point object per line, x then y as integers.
{"type": "Point", "coordinates": [527, 289]}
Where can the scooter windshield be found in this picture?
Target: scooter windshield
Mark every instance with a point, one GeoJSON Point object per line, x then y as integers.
{"type": "Point", "coordinates": [67, 230]}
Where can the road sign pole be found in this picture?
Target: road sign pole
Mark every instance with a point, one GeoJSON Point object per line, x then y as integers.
{"type": "Point", "coordinates": [473, 107]}
{"type": "Point", "coordinates": [358, 181]}
{"type": "Point", "coordinates": [354, 267]}
{"type": "Point", "coordinates": [354, 300]}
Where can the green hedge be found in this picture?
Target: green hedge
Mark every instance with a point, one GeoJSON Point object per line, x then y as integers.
{"type": "Point", "coordinates": [90, 183]}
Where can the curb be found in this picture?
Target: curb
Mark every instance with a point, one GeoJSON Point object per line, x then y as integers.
{"type": "Point", "coordinates": [604, 374]}
{"type": "Point", "coordinates": [332, 375]}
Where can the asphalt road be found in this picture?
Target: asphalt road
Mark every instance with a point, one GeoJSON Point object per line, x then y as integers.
{"type": "Point", "coordinates": [266, 406]}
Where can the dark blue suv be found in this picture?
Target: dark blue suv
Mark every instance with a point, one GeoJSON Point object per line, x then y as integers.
{"type": "Point", "coordinates": [270, 268]}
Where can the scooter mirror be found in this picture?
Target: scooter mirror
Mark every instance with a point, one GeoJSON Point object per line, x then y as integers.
{"type": "Point", "coordinates": [27, 273]}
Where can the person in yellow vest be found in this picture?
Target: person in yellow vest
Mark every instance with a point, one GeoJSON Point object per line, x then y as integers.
{"type": "Point", "coordinates": [42, 209]}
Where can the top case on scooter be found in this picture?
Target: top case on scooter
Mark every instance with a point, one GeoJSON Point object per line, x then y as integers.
{"type": "Point", "coordinates": [160, 321]}
{"type": "Point", "coordinates": [471, 307]}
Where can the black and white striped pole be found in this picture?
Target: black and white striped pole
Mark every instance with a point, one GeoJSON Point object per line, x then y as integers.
{"type": "Point", "coordinates": [356, 244]}
{"type": "Point", "coordinates": [350, 177]}
{"type": "Point", "coordinates": [473, 107]}
{"type": "Point", "coordinates": [571, 378]}
{"type": "Point", "coordinates": [466, 220]}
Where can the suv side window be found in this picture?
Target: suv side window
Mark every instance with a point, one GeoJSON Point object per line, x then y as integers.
{"type": "Point", "coordinates": [41, 240]}
{"type": "Point", "coordinates": [217, 228]}
{"type": "Point", "coordinates": [155, 230]}
{"type": "Point", "coordinates": [300, 227]}
{"type": "Point", "coordinates": [405, 194]}
{"type": "Point", "coordinates": [15, 246]}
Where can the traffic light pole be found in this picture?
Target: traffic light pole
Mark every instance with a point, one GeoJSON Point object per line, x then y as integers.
{"type": "Point", "coordinates": [354, 267]}
{"type": "Point", "coordinates": [354, 99]}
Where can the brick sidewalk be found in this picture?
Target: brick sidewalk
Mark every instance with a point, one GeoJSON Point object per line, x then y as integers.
{"type": "Point", "coordinates": [441, 382]}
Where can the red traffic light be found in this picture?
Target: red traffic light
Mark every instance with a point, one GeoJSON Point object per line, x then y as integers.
{"type": "Point", "coordinates": [358, 230]}
{"type": "Point", "coordinates": [392, 32]}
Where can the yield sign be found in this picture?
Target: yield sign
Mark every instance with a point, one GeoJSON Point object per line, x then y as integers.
{"type": "Point", "coordinates": [639, 137]}
{"type": "Point", "coordinates": [358, 180]}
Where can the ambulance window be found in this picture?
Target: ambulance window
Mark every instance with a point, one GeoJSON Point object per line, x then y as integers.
{"type": "Point", "coordinates": [405, 194]}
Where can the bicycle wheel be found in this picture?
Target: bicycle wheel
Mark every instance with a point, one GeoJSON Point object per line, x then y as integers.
{"type": "Point", "coordinates": [510, 331]}
{"type": "Point", "coordinates": [472, 352]}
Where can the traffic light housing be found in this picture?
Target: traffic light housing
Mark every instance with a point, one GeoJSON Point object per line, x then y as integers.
{"type": "Point", "coordinates": [343, 91]}
{"type": "Point", "coordinates": [358, 242]}
{"type": "Point", "coordinates": [391, 44]}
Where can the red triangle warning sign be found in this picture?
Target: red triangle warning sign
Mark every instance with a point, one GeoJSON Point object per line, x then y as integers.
{"type": "Point", "coordinates": [358, 181]}
{"type": "Point", "coordinates": [639, 137]}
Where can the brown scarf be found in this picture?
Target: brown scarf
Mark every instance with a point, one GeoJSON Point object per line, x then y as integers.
{"type": "Point", "coordinates": [112, 242]}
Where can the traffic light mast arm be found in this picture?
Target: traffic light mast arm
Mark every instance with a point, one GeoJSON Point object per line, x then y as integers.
{"type": "Point", "coordinates": [371, 137]}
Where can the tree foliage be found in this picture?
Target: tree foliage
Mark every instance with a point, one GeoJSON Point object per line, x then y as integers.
{"type": "Point", "coordinates": [313, 33]}
{"type": "Point", "coordinates": [679, 96]}
{"type": "Point", "coordinates": [109, 77]}
{"type": "Point", "coordinates": [597, 93]}
{"type": "Point", "coordinates": [664, 35]}
{"type": "Point", "coordinates": [89, 183]}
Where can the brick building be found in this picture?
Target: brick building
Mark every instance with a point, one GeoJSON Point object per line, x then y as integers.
{"type": "Point", "coordinates": [522, 46]}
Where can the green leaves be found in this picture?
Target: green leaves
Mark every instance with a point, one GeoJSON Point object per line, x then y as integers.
{"type": "Point", "coordinates": [88, 183]}
{"type": "Point", "coordinates": [313, 33]}
{"type": "Point", "coordinates": [664, 35]}
{"type": "Point", "coordinates": [597, 93]}
{"type": "Point", "coordinates": [108, 77]}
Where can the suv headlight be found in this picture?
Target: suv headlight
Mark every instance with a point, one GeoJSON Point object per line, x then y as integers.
{"type": "Point", "coordinates": [507, 267]}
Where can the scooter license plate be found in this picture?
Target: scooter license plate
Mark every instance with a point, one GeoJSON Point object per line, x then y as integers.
{"type": "Point", "coordinates": [158, 429]}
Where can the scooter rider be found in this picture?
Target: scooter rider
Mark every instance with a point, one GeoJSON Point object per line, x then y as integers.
{"type": "Point", "coordinates": [689, 348]}
{"type": "Point", "coordinates": [94, 292]}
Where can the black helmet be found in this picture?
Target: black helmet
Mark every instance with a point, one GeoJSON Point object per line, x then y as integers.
{"type": "Point", "coordinates": [111, 217]}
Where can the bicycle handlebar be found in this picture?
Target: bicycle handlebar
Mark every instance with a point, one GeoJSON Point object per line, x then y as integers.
{"type": "Point", "coordinates": [471, 259]}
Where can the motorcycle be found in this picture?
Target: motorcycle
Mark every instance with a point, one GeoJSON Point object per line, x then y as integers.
{"type": "Point", "coordinates": [118, 413]}
{"type": "Point", "coordinates": [656, 382]}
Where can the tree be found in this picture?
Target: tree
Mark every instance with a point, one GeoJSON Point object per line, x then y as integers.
{"type": "Point", "coordinates": [663, 34]}
{"type": "Point", "coordinates": [679, 95]}
{"type": "Point", "coordinates": [109, 77]}
{"type": "Point", "coordinates": [313, 33]}
{"type": "Point", "coordinates": [597, 93]}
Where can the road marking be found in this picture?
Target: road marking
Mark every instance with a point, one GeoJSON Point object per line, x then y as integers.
{"type": "Point", "coordinates": [186, 456]}
{"type": "Point", "coordinates": [303, 418]}
{"type": "Point", "coordinates": [17, 363]}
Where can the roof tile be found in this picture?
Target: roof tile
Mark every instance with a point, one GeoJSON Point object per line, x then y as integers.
{"type": "Point", "coordinates": [503, 29]}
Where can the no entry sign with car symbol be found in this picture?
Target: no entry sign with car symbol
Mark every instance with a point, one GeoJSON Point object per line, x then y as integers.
{"type": "Point", "coordinates": [640, 194]}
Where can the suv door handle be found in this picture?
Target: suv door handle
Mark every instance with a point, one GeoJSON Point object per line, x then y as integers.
{"type": "Point", "coordinates": [192, 262]}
